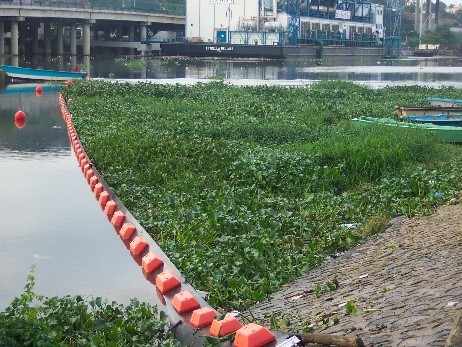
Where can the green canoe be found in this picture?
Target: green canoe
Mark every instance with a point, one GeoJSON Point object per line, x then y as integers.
{"type": "Point", "coordinates": [443, 133]}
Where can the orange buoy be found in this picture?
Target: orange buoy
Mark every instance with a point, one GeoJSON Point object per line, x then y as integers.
{"type": "Point", "coordinates": [39, 91]}
{"type": "Point", "coordinates": [20, 119]}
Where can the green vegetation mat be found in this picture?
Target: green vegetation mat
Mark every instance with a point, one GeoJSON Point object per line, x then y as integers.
{"type": "Point", "coordinates": [246, 188]}
{"type": "Point", "coordinates": [34, 320]}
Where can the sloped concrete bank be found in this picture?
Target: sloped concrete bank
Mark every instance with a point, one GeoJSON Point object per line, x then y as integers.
{"type": "Point", "coordinates": [405, 285]}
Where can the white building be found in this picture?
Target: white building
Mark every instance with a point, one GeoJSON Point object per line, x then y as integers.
{"type": "Point", "coordinates": [243, 22]}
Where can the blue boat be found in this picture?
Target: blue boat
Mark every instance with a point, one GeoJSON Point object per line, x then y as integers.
{"type": "Point", "coordinates": [441, 119]}
{"type": "Point", "coordinates": [445, 102]}
{"type": "Point", "coordinates": [25, 88]}
{"type": "Point", "coordinates": [40, 75]}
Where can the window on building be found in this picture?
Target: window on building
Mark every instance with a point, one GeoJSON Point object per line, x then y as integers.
{"type": "Point", "coordinates": [352, 32]}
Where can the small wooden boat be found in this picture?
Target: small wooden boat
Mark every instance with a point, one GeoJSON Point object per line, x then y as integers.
{"type": "Point", "coordinates": [441, 119]}
{"type": "Point", "coordinates": [39, 74]}
{"type": "Point", "coordinates": [450, 134]}
{"type": "Point", "coordinates": [403, 111]}
{"type": "Point", "coordinates": [445, 102]}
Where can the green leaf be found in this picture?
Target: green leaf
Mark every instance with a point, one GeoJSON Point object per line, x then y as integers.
{"type": "Point", "coordinates": [351, 307]}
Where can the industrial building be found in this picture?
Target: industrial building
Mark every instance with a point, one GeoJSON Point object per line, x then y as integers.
{"type": "Point", "coordinates": [282, 22]}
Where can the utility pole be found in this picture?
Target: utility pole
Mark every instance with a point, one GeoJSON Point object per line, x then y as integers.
{"type": "Point", "coordinates": [417, 17]}
{"type": "Point", "coordinates": [437, 11]}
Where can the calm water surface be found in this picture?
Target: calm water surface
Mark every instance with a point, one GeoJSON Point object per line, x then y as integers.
{"type": "Point", "coordinates": [433, 69]}
{"type": "Point", "coordinates": [49, 215]}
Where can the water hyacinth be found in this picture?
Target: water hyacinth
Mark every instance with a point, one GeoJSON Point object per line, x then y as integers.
{"type": "Point", "coordinates": [34, 320]}
{"type": "Point", "coordinates": [247, 187]}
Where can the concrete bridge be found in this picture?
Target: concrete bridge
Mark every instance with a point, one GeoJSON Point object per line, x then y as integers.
{"type": "Point", "coordinates": [81, 27]}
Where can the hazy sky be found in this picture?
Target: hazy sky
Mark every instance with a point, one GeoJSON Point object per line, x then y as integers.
{"type": "Point", "coordinates": [453, 2]}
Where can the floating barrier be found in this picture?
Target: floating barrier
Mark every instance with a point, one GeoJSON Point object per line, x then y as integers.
{"type": "Point", "coordinates": [103, 199]}
{"type": "Point", "coordinates": [202, 317]}
{"type": "Point", "coordinates": [98, 189]}
{"type": "Point", "coordinates": [127, 231]}
{"type": "Point", "coordinates": [110, 208]}
{"type": "Point", "coordinates": [93, 182]}
{"type": "Point", "coordinates": [117, 219]}
{"type": "Point", "coordinates": [137, 245]}
{"type": "Point", "coordinates": [184, 302]}
{"type": "Point", "coordinates": [166, 281]}
{"type": "Point", "coordinates": [150, 262]}
{"type": "Point", "coordinates": [253, 335]}
{"type": "Point", "coordinates": [225, 326]}
{"type": "Point", "coordinates": [187, 310]}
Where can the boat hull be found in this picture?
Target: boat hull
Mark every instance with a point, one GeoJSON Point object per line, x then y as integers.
{"type": "Point", "coordinates": [25, 88]}
{"type": "Point", "coordinates": [442, 120]}
{"type": "Point", "coordinates": [450, 134]}
{"type": "Point", "coordinates": [39, 74]}
{"type": "Point", "coordinates": [404, 111]}
{"type": "Point", "coordinates": [445, 102]}
{"type": "Point", "coordinates": [300, 52]}
{"type": "Point", "coordinates": [222, 50]}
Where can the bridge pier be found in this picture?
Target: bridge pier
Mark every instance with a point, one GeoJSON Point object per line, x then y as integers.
{"type": "Point", "coordinates": [131, 38]}
{"type": "Point", "coordinates": [35, 38]}
{"type": "Point", "coordinates": [2, 37]}
{"type": "Point", "coordinates": [22, 32]}
{"type": "Point", "coordinates": [87, 65]}
{"type": "Point", "coordinates": [73, 39]}
{"type": "Point", "coordinates": [47, 36]}
{"type": "Point", "coordinates": [59, 37]}
{"type": "Point", "coordinates": [73, 60]}
{"type": "Point", "coordinates": [144, 36]}
{"type": "Point", "coordinates": [86, 38]}
{"type": "Point", "coordinates": [119, 37]}
{"type": "Point", "coordinates": [14, 38]}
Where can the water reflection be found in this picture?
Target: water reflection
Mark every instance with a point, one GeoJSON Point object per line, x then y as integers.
{"type": "Point", "coordinates": [49, 215]}
{"type": "Point", "coordinates": [38, 132]}
{"type": "Point", "coordinates": [335, 67]}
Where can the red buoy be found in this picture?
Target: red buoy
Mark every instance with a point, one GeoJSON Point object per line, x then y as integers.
{"type": "Point", "coordinates": [20, 119]}
{"type": "Point", "coordinates": [39, 91]}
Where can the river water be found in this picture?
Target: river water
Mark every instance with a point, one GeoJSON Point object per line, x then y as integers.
{"type": "Point", "coordinates": [405, 70]}
{"type": "Point", "coordinates": [49, 215]}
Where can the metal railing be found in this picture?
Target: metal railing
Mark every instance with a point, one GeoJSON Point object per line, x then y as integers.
{"type": "Point", "coordinates": [167, 7]}
{"type": "Point", "coordinates": [338, 38]}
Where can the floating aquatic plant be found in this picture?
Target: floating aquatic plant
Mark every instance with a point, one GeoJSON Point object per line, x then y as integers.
{"type": "Point", "coordinates": [245, 188]}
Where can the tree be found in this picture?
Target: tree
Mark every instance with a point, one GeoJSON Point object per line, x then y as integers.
{"type": "Point", "coordinates": [441, 35]}
{"type": "Point", "coordinates": [413, 42]}
{"type": "Point", "coordinates": [458, 16]}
